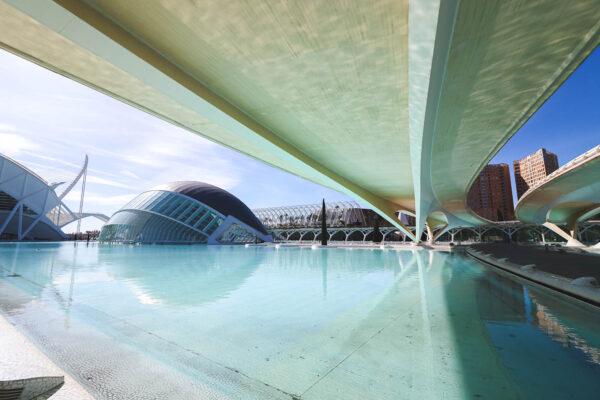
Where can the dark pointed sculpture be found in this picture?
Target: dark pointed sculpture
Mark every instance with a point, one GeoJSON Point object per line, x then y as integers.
{"type": "Point", "coordinates": [500, 216]}
{"type": "Point", "coordinates": [376, 232]}
{"type": "Point", "coordinates": [323, 225]}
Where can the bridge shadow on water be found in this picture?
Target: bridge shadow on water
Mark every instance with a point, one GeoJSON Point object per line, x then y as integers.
{"type": "Point", "coordinates": [513, 340]}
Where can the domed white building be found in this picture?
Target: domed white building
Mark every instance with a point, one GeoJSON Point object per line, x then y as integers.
{"type": "Point", "coordinates": [184, 212]}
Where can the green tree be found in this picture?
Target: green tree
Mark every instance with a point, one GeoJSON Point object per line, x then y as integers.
{"type": "Point", "coordinates": [323, 225]}
{"type": "Point", "coordinates": [500, 216]}
{"type": "Point", "coordinates": [377, 237]}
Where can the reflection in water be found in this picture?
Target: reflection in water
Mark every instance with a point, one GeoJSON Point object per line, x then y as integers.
{"type": "Point", "coordinates": [324, 323]}
{"type": "Point", "coordinates": [31, 262]}
{"type": "Point", "coordinates": [324, 272]}
{"type": "Point", "coordinates": [508, 301]}
{"type": "Point", "coordinates": [14, 260]}
{"type": "Point", "coordinates": [523, 329]}
{"type": "Point", "coordinates": [191, 281]}
{"type": "Point", "coordinates": [71, 286]}
{"type": "Point", "coordinates": [559, 332]}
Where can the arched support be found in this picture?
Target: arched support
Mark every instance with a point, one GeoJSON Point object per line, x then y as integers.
{"type": "Point", "coordinates": [571, 241]}
{"type": "Point", "coordinates": [435, 220]}
{"type": "Point", "coordinates": [385, 235]}
{"type": "Point", "coordinates": [440, 232]}
{"type": "Point", "coordinates": [452, 232]}
{"type": "Point", "coordinates": [574, 220]}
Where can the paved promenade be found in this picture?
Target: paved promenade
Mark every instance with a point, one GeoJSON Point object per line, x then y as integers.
{"type": "Point", "coordinates": [20, 359]}
{"type": "Point", "coordinates": [567, 263]}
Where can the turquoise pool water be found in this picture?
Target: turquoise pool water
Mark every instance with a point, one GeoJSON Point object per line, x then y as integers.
{"type": "Point", "coordinates": [187, 322]}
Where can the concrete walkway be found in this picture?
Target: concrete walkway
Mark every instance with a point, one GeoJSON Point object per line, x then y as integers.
{"type": "Point", "coordinates": [557, 261]}
{"type": "Point", "coordinates": [20, 359]}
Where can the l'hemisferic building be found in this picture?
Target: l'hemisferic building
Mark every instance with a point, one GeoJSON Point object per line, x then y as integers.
{"type": "Point", "coordinates": [184, 212]}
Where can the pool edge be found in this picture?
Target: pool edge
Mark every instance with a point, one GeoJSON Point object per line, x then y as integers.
{"type": "Point", "coordinates": [559, 284]}
{"type": "Point", "coordinates": [26, 360]}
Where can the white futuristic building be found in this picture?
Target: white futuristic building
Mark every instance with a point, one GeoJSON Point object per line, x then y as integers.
{"type": "Point", "coordinates": [184, 212]}
{"type": "Point", "coordinates": [30, 208]}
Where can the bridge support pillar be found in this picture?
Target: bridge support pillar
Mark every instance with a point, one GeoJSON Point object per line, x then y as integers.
{"type": "Point", "coordinates": [571, 241]}
{"type": "Point", "coordinates": [431, 236]}
{"type": "Point", "coordinates": [543, 236]}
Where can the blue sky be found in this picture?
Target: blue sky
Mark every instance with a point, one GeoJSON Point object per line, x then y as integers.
{"type": "Point", "coordinates": [49, 122]}
{"type": "Point", "coordinates": [567, 125]}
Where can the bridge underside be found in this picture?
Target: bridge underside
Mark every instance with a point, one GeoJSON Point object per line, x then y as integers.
{"type": "Point", "coordinates": [397, 103]}
{"type": "Point", "coordinates": [569, 196]}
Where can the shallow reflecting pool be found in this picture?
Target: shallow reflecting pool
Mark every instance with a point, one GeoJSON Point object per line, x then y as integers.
{"type": "Point", "coordinates": [188, 322]}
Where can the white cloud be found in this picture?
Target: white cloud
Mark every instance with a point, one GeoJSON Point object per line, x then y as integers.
{"type": "Point", "coordinates": [7, 128]}
{"type": "Point", "coordinates": [144, 160]}
{"type": "Point", "coordinates": [94, 201]}
{"type": "Point", "coordinates": [97, 171]}
{"type": "Point", "coordinates": [126, 172]}
{"type": "Point", "coordinates": [53, 159]}
{"type": "Point", "coordinates": [51, 173]}
{"type": "Point", "coordinates": [12, 144]}
{"type": "Point", "coordinates": [76, 99]}
{"type": "Point", "coordinates": [108, 182]}
{"type": "Point", "coordinates": [218, 172]}
{"type": "Point", "coordinates": [179, 144]}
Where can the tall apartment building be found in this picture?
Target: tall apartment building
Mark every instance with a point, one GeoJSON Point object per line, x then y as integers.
{"type": "Point", "coordinates": [491, 194]}
{"type": "Point", "coordinates": [533, 168]}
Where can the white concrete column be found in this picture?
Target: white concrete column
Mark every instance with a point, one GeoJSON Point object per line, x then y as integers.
{"type": "Point", "coordinates": [571, 241]}
{"type": "Point", "coordinates": [429, 234]}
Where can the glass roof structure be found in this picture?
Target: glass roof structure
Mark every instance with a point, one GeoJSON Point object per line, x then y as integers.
{"type": "Point", "coordinates": [343, 213]}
